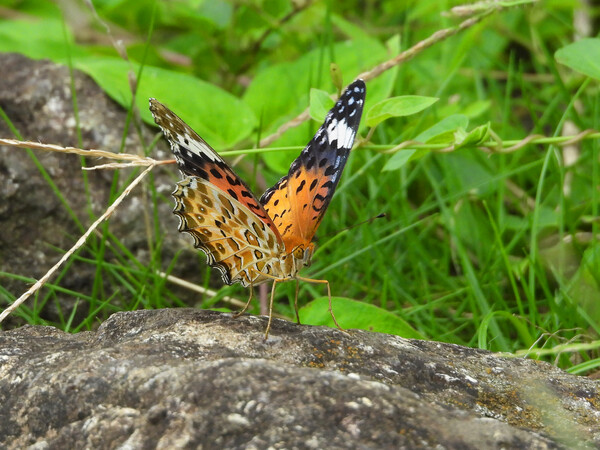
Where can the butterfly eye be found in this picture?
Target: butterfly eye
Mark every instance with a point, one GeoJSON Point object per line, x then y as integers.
{"type": "Point", "coordinates": [299, 252]}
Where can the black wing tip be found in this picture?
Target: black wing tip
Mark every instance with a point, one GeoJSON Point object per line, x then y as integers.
{"type": "Point", "coordinates": [358, 86]}
{"type": "Point", "coordinates": [157, 108]}
{"type": "Point", "coordinates": [354, 98]}
{"type": "Point", "coordinates": [154, 104]}
{"type": "Point", "coordinates": [359, 82]}
{"type": "Point", "coordinates": [356, 89]}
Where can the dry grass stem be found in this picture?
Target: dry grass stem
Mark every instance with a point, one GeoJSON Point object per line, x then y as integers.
{"type": "Point", "coordinates": [378, 70]}
{"type": "Point", "coordinates": [200, 289]}
{"type": "Point", "coordinates": [135, 159]}
{"type": "Point", "coordinates": [204, 291]}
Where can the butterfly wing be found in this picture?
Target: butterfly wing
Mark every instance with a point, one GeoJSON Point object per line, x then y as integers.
{"type": "Point", "coordinates": [297, 203]}
{"type": "Point", "coordinates": [232, 236]}
{"type": "Point", "coordinates": [196, 158]}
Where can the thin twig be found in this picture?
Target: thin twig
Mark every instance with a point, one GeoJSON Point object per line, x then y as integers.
{"type": "Point", "coordinates": [436, 37]}
{"type": "Point", "coordinates": [492, 146]}
{"type": "Point", "coordinates": [378, 70]}
{"type": "Point", "coordinates": [205, 291]}
{"type": "Point", "coordinates": [194, 287]}
{"type": "Point", "coordinates": [139, 160]}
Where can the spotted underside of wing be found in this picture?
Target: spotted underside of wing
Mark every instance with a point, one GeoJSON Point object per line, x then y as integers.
{"type": "Point", "coordinates": [196, 158]}
{"type": "Point", "coordinates": [231, 235]}
{"type": "Point", "coordinates": [297, 203]}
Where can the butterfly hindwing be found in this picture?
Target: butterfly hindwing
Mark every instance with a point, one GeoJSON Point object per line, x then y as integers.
{"type": "Point", "coordinates": [233, 237]}
{"type": "Point", "coordinates": [297, 203]}
{"type": "Point", "coordinates": [196, 158]}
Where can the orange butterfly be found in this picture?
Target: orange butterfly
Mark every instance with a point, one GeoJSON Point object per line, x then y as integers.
{"type": "Point", "coordinates": [253, 241]}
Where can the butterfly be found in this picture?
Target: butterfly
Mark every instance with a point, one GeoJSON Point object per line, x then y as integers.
{"type": "Point", "coordinates": [252, 241]}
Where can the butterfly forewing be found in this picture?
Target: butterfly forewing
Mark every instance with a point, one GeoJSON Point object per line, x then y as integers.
{"type": "Point", "coordinates": [234, 239]}
{"type": "Point", "coordinates": [297, 203]}
{"type": "Point", "coordinates": [196, 158]}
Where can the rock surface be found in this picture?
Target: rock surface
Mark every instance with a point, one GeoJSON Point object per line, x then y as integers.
{"type": "Point", "coordinates": [185, 378]}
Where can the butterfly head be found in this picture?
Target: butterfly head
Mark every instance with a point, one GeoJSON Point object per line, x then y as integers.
{"type": "Point", "coordinates": [303, 254]}
{"type": "Point", "coordinates": [300, 256]}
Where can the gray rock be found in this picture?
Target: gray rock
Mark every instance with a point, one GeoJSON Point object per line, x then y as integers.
{"type": "Point", "coordinates": [186, 378]}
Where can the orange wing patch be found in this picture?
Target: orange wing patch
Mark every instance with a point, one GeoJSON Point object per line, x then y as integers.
{"type": "Point", "coordinates": [196, 158]}
{"type": "Point", "coordinates": [297, 203]}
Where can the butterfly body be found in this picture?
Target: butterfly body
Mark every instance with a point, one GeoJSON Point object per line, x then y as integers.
{"type": "Point", "coordinates": [253, 241]}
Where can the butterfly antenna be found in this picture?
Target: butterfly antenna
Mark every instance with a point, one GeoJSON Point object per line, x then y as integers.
{"type": "Point", "coordinates": [378, 216]}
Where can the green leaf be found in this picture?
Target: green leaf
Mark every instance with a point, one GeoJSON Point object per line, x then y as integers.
{"type": "Point", "coordinates": [440, 133]}
{"type": "Point", "coordinates": [583, 286]}
{"type": "Point", "coordinates": [218, 116]}
{"type": "Point", "coordinates": [582, 56]}
{"type": "Point", "coordinates": [447, 125]}
{"type": "Point", "coordinates": [477, 108]}
{"type": "Point", "coordinates": [469, 174]}
{"type": "Point", "coordinates": [446, 138]}
{"type": "Point", "coordinates": [399, 158]}
{"type": "Point", "coordinates": [280, 91]}
{"type": "Point", "coordinates": [37, 39]}
{"type": "Point", "coordinates": [473, 138]}
{"type": "Point", "coordinates": [354, 314]}
{"type": "Point", "coordinates": [405, 105]}
{"type": "Point", "coordinates": [320, 104]}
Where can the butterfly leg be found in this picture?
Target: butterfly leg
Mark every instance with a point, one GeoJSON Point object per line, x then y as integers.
{"type": "Point", "coordinates": [244, 309]}
{"type": "Point", "coordinates": [296, 301]}
{"type": "Point", "coordinates": [275, 281]}
{"type": "Point", "coordinates": [310, 280]}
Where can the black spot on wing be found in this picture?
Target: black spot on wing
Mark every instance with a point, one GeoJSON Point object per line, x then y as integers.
{"type": "Point", "coordinates": [201, 173]}
{"type": "Point", "coordinates": [234, 181]}
{"type": "Point", "coordinates": [232, 193]}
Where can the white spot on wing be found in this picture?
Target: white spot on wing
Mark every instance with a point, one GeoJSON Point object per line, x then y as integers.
{"type": "Point", "coordinates": [340, 131]}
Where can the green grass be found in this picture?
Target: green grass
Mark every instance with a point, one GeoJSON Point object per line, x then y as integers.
{"type": "Point", "coordinates": [479, 247]}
